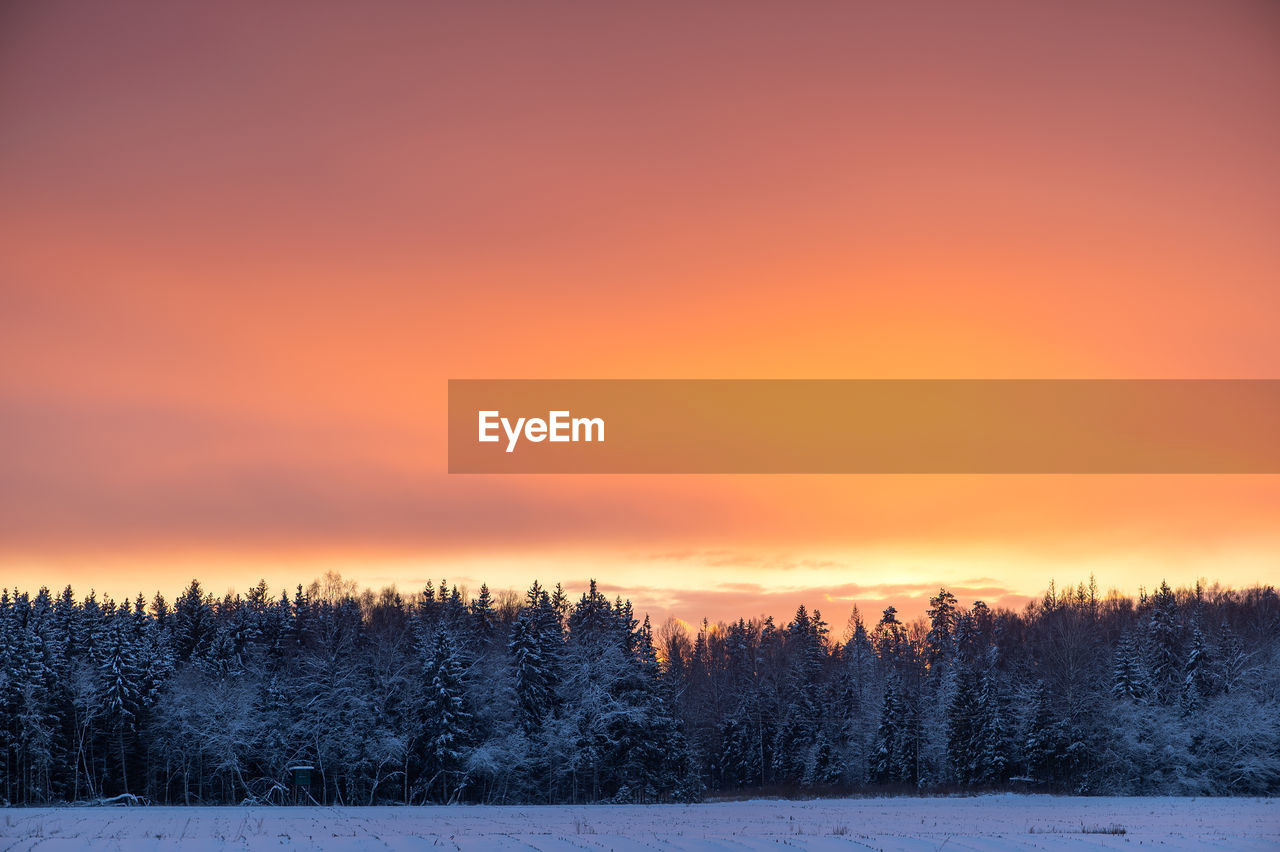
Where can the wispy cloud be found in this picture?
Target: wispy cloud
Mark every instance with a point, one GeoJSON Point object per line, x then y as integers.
{"type": "Point", "coordinates": [730, 601]}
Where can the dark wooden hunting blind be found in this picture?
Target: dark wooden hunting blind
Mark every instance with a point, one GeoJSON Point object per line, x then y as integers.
{"type": "Point", "coordinates": [301, 776]}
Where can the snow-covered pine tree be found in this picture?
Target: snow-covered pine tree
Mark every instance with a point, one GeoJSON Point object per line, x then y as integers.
{"type": "Point", "coordinates": [896, 755]}
{"type": "Point", "coordinates": [801, 716]}
{"type": "Point", "coordinates": [942, 624]}
{"type": "Point", "coordinates": [1129, 677]}
{"type": "Point", "coordinates": [193, 622]}
{"type": "Point", "coordinates": [482, 617]}
{"type": "Point", "coordinates": [991, 745]}
{"type": "Point", "coordinates": [1164, 640]}
{"type": "Point", "coordinates": [120, 677]}
{"type": "Point", "coordinates": [1197, 672]}
{"type": "Point", "coordinates": [963, 725]}
{"type": "Point", "coordinates": [447, 731]}
{"type": "Point", "coordinates": [823, 768]}
{"type": "Point", "coordinates": [534, 648]}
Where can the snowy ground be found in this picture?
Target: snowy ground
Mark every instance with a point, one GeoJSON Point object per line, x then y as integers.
{"type": "Point", "coordinates": [985, 822]}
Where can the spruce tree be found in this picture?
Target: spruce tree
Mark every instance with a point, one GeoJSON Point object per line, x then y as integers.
{"type": "Point", "coordinates": [1165, 651]}
{"type": "Point", "coordinates": [1128, 680]}
{"type": "Point", "coordinates": [447, 722]}
{"type": "Point", "coordinates": [120, 680]}
{"type": "Point", "coordinates": [963, 723]}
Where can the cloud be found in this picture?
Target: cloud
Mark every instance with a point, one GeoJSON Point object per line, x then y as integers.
{"type": "Point", "coordinates": [95, 474]}
{"type": "Point", "coordinates": [725, 558]}
{"type": "Point", "coordinates": [731, 601]}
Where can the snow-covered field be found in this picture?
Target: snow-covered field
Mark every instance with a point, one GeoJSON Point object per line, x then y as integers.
{"type": "Point", "coordinates": [984, 822]}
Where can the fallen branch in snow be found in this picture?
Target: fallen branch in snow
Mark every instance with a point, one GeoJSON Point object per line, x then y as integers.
{"type": "Point", "coordinates": [126, 799]}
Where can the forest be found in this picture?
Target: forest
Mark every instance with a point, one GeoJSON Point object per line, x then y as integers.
{"type": "Point", "coordinates": [442, 697]}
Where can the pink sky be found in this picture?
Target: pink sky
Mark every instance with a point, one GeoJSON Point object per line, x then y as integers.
{"type": "Point", "coordinates": [242, 249]}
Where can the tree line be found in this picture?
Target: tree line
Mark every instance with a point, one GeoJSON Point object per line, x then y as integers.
{"type": "Point", "coordinates": [443, 697]}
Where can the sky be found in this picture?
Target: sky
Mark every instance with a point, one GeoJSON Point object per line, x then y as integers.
{"type": "Point", "coordinates": [244, 246]}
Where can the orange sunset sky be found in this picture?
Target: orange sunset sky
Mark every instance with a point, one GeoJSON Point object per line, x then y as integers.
{"type": "Point", "coordinates": [243, 247]}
